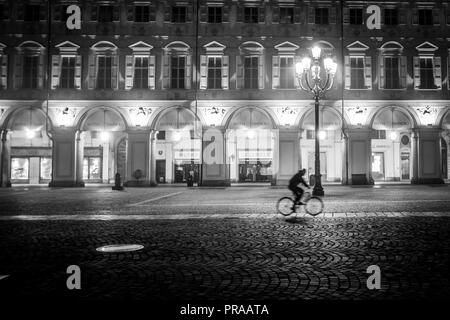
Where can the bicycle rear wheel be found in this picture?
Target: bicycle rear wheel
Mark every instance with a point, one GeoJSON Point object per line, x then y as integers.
{"type": "Point", "coordinates": [314, 206]}
{"type": "Point", "coordinates": [285, 205]}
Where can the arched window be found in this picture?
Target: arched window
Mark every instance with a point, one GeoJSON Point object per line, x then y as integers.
{"type": "Point", "coordinates": [358, 67]}
{"type": "Point", "coordinates": [66, 67]}
{"type": "Point", "coordinates": [214, 67]}
{"type": "Point", "coordinates": [103, 66]}
{"type": "Point", "coordinates": [177, 66]}
{"type": "Point", "coordinates": [250, 66]}
{"type": "Point", "coordinates": [29, 66]}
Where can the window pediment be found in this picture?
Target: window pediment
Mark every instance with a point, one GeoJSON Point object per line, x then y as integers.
{"type": "Point", "coordinates": [214, 47]}
{"type": "Point", "coordinates": [251, 48]}
{"type": "Point", "coordinates": [426, 48]}
{"type": "Point", "coordinates": [177, 47]}
{"type": "Point", "coordinates": [287, 48]}
{"type": "Point", "coordinates": [141, 48]}
{"type": "Point", "coordinates": [67, 47]}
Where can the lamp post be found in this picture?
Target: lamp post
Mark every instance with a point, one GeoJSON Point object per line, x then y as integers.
{"type": "Point", "coordinates": [308, 75]}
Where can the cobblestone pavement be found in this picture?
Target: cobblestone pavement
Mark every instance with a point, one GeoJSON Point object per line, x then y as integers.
{"type": "Point", "coordinates": [229, 259]}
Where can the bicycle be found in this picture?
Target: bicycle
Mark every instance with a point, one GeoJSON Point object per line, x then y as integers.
{"type": "Point", "coordinates": [313, 205]}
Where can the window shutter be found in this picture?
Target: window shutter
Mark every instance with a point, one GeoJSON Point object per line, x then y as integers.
{"type": "Point", "coordinates": [56, 70]}
{"type": "Point", "coordinates": [382, 73]}
{"type": "Point", "coordinates": [436, 17]}
{"type": "Point", "coordinates": [203, 13]}
{"type": "Point", "coordinates": [332, 14]}
{"type": "Point", "coordinates": [275, 14]}
{"type": "Point", "coordinates": [114, 72]}
{"type": "Point", "coordinates": [416, 61]}
{"type": "Point", "coordinates": [346, 16]}
{"type": "Point", "coordinates": [188, 77]}
{"type": "Point", "coordinates": [403, 72]}
{"type": "Point", "coordinates": [20, 11]}
{"type": "Point", "coordinates": [347, 72]}
{"type": "Point", "coordinates": [94, 13]}
{"type": "Point", "coordinates": [78, 72]}
{"type": "Point", "coordinates": [368, 72]}
{"type": "Point", "coordinates": [437, 72]}
{"type": "Point", "coordinates": [167, 13]}
{"type": "Point", "coordinates": [41, 71]}
{"type": "Point", "coordinates": [203, 72]}
{"type": "Point", "coordinates": [311, 15]}
{"type": "Point", "coordinates": [152, 16]}
{"type": "Point", "coordinates": [91, 71]}
{"type": "Point", "coordinates": [116, 13]}
{"type": "Point", "coordinates": [239, 72]}
{"type": "Point", "coordinates": [225, 67]}
{"type": "Point", "coordinates": [297, 15]}
{"type": "Point", "coordinates": [240, 14]}
{"type": "Point", "coordinates": [261, 14]}
{"type": "Point", "coordinates": [297, 59]}
{"type": "Point", "coordinates": [448, 15]}
{"type": "Point", "coordinates": [225, 13]}
{"type": "Point", "coordinates": [18, 71]}
{"type": "Point", "coordinates": [129, 72]}
{"type": "Point", "coordinates": [189, 14]}
{"type": "Point", "coordinates": [4, 72]}
{"type": "Point", "coordinates": [151, 72]}
{"type": "Point", "coordinates": [402, 16]}
{"type": "Point", "coordinates": [261, 72]}
{"type": "Point", "coordinates": [166, 71]}
{"type": "Point", "coordinates": [275, 72]}
{"type": "Point", "coordinates": [415, 17]}
{"type": "Point", "coordinates": [42, 12]}
{"type": "Point", "coordinates": [130, 13]}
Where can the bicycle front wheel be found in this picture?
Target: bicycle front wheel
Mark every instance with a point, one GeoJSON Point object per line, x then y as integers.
{"type": "Point", "coordinates": [314, 206]}
{"type": "Point", "coordinates": [285, 205]}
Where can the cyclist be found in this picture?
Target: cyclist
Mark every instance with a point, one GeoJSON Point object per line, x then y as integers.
{"type": "Point", "coordinates": [293, 185]}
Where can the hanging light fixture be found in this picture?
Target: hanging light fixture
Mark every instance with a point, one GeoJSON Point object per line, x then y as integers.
{"type": "Point", "coordinates": [104, 135]}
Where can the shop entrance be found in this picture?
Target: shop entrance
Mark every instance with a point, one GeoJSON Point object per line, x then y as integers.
{"type": "Point", "coordinates": [405, 166]}
{"type": "Point", "coordinates": [378, 172]}
{"type": "Point", "coordinates": [184, 170]}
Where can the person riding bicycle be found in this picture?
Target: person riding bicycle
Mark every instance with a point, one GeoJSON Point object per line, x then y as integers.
{"type": "Point", "coordinates": [293, 185]}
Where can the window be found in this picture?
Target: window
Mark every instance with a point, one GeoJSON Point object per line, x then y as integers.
{"type": "Point", "coordinates": [425, 17]}
{"type": "Point", "coordinates": [214, 14]}
{"type": "Point", "coordinates": [427, 73]}
{"type": "Point", "coordinates": [140, 73]}
{"type": "Point", "coordinates": [46, 169]}
{"type": "Point", "coordinates": [251, 15]}
{"type": "Point", "coordinates": [141, 14]}
{"type": "Point", "coordinates": [179, 14]}
{"type": "Point", "coordinates": [104, 73]}
{"type": "Point", "coordinates": [92, 167]}
{"type": "Point", "coordinates": [19, 168]}
{"type": "Point", "coordinates": [286, 72]}
{"type": "Point", "coordinates": [67, 80]}
{"type": "Point", "coordinates": [379, 134]}
{"type": "Point", "coordinates": [214, 73]}
{"type": "Point", "coordinates": [161, 135]}
{"type": "Point", "coordinates": [251, 73]}
{"type": "Point", "coordinates": [30, 72]}
{"type": "Point", "coordinates": [391, 17]}
{"type": "Point", "coordinates": [392, 73]}
{"type": "Point", "coordinates": [356, 16]}
{"type": "Point", "coordinates": [357, 73]}
{"type": "Point", "coordinates": [32, 12]}
{"type": "Point", "coordinates": [177, 79]}
{"type": "Point", "coordinates": [321, 16]}
{"type": "Point", "coordinates": [286, 15]}
{"type": "Point", "coordinates": [105, 13]}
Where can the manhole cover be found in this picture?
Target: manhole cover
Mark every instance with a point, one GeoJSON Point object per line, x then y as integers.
{"type": "Point", "coordinates": [120, 248]}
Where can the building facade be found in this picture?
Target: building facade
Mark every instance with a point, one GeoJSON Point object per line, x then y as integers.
{"type": "Point", "coordinates": [159, 90]}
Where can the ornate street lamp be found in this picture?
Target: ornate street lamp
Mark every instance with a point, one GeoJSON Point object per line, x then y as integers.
{"type": "Point", "coordinates": [308, 74]}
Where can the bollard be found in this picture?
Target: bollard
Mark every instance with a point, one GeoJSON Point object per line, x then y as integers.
{"type": "Point", "coordinates": [117, 184]}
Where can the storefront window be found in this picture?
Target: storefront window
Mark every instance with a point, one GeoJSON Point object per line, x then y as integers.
{"type": "Point", "coordinates": [46, 168]}
{"type": "Point", "coordinates": [92, 168]}
{"type": "Point", "coordinates": [19, 169]}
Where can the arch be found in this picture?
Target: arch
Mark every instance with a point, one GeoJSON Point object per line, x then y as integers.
{"type": "Point", "coordinates": [14, 117]}
{"type": "Point", "coordinates": [171, 115]}
{"type": "Point", "coordinates": [114, 115]}
{"type": "Point", "coordinates": [104, 45]}
{"type": "Point", "coordinates": [387, 120]}
{"type": "Point", "coordinates": [328, 113]}
{"type": "Point", "coordinates": [30, 44]}
{"type": "Point", "coordinates": [271, 124]}
{"type": "Point", "coordinates": [445, 120]}
{"type": "Point", "coordinates": [392, 45]}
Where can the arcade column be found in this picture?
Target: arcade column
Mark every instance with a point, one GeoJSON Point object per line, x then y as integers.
{"type": "Point", "coordinates": [138, 159]}
{"type": "Point", "coordinates": [215, 169]}
{"type": "Point", "coordinates": [288, 156]}
{"type": "Point", "coordinates": [65, 159]}
{"type": "Point", "coordinates": [359, 155]}
{"type": "Point", "coordinates": [429, 156]}
{"type": "Point", "coordinates": [5, 161]}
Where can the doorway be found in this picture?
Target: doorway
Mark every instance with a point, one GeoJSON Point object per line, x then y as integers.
{"type": "Point", "coordinates": [323, 165]}
{"type": "Point", "coordinates": [405, 165]}
{"type": "Point", "coordinates": [378, 172]}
